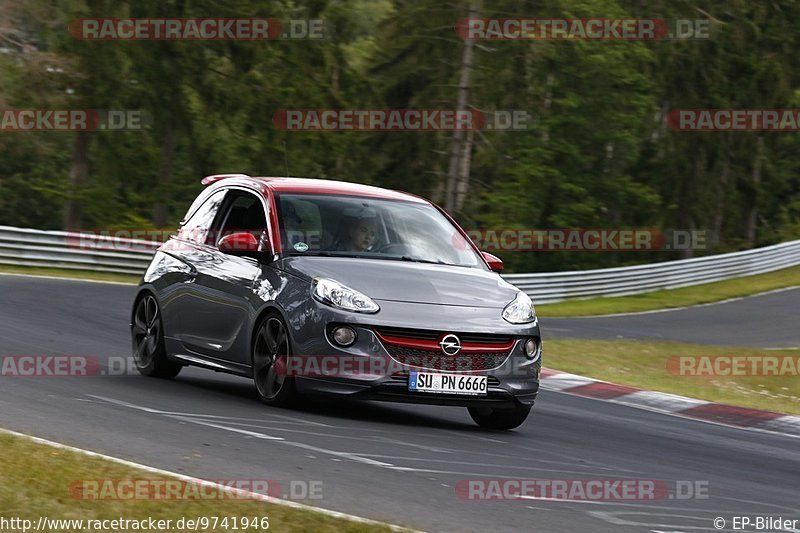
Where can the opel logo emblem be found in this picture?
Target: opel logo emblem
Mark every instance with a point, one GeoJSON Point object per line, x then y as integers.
{"type": "Point", "coordinates": [450, 344]}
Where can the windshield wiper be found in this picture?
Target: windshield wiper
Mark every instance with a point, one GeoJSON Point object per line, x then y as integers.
{"type": "Point", "coordinates": [429, 261]}
{"type": "Point", "coordinates": [323, 253]}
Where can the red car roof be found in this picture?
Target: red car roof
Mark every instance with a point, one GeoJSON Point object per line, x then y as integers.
{"type": "Point", "coordinates": [318, 186]}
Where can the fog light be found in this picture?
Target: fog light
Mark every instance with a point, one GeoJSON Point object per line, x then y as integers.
{"type": "Point", "coordinates": [530, 348]}
{"type": "Point", "coordinates": [344, 336]}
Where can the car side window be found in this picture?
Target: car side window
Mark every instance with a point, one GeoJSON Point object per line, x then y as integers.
{"type": "Point", "coordinates": [197, 227]}
{"type": "Point", "coordinates": [242, 212]}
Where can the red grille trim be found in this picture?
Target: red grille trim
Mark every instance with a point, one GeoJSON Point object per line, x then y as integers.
{"type": "Point", "coordinates": [433, 345]}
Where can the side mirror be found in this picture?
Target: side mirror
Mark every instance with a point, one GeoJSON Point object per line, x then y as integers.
{"type": "Point", "coordinates": [242, 243]}
{"type": "Point", "coordinates": [494, 262]}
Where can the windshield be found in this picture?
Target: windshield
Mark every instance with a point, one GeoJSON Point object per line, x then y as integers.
{"type": "Point", "coordinates": [371, 228]}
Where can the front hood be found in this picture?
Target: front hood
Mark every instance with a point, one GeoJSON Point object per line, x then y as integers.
{"type": "Point", "coordinates": [404, 281]}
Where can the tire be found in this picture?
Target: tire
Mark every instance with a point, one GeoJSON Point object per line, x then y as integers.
{"type": "Point", "coordinates": [271, 351]}
{"type": "Point", "coordinates": [147, 334]}
{"type": "Point", "coordinates": [490, 418]}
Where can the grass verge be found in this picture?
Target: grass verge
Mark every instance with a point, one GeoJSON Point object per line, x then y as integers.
{"type": "Point", "coordinates": [645, 365]}
{"type": "Point", "coordinates": [699, 294]}
{"type": "Point", "coordinates": [69, 273]}
{"type": "Point", "coordinates": [36, 480]}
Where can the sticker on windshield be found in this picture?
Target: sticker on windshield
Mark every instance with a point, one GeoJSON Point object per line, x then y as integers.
{"type": "Point", "coordinates": [301, 247]}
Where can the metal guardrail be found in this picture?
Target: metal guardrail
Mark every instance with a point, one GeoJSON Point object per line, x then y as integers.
{"type": "Point", "coordinates": [74, 251]}
{"type": "Point", "coordinates": [84, 251]}
{"type": "Point", "coordinates": [549, 287]}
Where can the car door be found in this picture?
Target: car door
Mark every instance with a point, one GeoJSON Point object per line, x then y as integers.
{"type": "Point", "coordinates": [183, 252]}
{"type": "Point", "coordinates": [220, 303]}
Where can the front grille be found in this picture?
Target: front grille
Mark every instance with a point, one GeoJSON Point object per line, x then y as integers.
{"type": "Point", "coordinates": [441, 361]}
{"type": "Point", "coordinates": [479, 351]}
{"type": "Point", "coordinates": [427, 334]}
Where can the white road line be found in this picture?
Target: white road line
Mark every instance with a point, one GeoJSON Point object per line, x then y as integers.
{"type": "Point", "coordinates": [591, 469]}
{"type": "Point", "coordinates": [196, 415]}
{"type": "Point", "coordinates": [255, 434]}
{"type": "Point", "coordinates": [412, 445]}
{"type": "Point", "coordinates": [205, 483]}
{"type": "Point", "coordinates": [481, 474]}
{"type": "Point", "coordinates": [126, 404]}
{"type": "Point", "coordinates": [612, 519]}
{"type": "Point", "coordinates": [252, 422]}
{"type": "Point", "coordinates": [783, 508]}
{"type": "Point", "coordinates": [230, 419]}
{"type": "Point", "coordinates": [570, 461]}
{"type": "Point", "coordinates": [561, 500]}
{"type": "Point", "coordinates": [511, 453]}
{"type": "Point", "coordinates": [289, 430]}
{"type": "Point", "coordinates": [344, 455]}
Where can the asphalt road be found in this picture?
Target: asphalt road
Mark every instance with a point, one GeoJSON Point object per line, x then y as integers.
{"type": "Point", "coordinates": [389, 462]}
{"type": "Point", "coordinates": [770, 320]}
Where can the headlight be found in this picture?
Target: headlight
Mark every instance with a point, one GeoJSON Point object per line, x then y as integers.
{"type": "Point", "coordinates": [520, 310]}
{"type": "Point", "coordinates": [340, 296]}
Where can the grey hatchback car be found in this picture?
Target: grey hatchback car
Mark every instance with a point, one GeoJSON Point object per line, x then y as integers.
{"type": "Point", "coordinates": [324, 287]}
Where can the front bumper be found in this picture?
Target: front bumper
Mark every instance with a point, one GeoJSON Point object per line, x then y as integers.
{"type": "Point", "coordinates": [366, 370]}
{"type": "Point", "coordinates": [397, 391]}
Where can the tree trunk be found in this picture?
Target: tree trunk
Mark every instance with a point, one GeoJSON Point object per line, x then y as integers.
{"type": "Point", "coordinates": [719, 200]}
{"type": "Point", "coordinates": [78, 173]}
{"type": "Point", "coordinates": [161, 211]}
{"type": "Point", "coordinates": [461, 146]}
{"type": "Point", "coordinates": [752, 216]}
{"type": "Point", "coordinates": [464, 163]}
{"type": "Point", "coordinates": [546, 105]}
{"type": "Point", "coordinates": [686, 199]}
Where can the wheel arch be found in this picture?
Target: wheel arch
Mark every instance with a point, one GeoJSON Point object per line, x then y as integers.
{"type": "Point", "coordinates": [268, 309]}
{"type": "Point", "coordinates": [141, 292]}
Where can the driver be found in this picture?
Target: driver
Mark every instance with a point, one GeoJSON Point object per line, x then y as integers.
{"type": "Point", "coordinates": [359, 234]}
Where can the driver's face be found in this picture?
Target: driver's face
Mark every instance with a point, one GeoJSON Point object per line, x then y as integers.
{"type": "Point", "coordinates": [363, 235]}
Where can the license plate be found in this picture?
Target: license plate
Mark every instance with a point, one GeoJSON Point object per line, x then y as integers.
{"type": "Point", "coordinates": [447, 383]}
